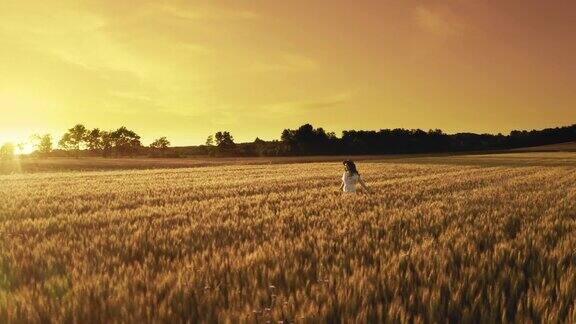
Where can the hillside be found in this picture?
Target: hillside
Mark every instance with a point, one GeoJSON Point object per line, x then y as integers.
{"type": "Point", "coordinates": [566, 147]}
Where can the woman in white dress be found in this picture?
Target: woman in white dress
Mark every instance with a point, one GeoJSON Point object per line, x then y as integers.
{"type": "Point", "coordinates": [351, 177]}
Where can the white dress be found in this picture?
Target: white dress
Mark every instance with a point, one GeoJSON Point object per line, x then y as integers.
{"type": "Point", "coordinates": [350, 180]}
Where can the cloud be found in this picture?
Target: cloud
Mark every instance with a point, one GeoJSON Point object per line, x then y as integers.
{"type": "Point", "coordinates": [197, 13]}
{"type": "Point", "coordinates": [69, 35]}
{"type": "Point", "coordinates": [196, 48]}
{"type": "Point", "coordinates": [328, 102]}
{"type": "Point", "coordinates": [298, 62]}
{"type": "Point", "coordinates": [440, 21]}
{"type": "Point", "coordinates": [286, 62]}
{"type": "Point", "coordinates": [304, 106]}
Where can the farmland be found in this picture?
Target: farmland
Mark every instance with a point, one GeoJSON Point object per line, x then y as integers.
{"type": "Point", "coordinates": [505, 158]}
{"type": "Point", "coordinates": [486, 238]}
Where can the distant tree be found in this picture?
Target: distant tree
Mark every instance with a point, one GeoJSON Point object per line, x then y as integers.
{"type": "Point", "coordinates": [94, 140]}
{"type": "Point", "coordinates": [74, 138]}
{"type": "Point", "coordinates": [125, 141]}
{"type": "Point", "coordinates": [287, 136]}
{"type": "Point", "coordinates": [42, 143]}
{"type": "Point", "coordinates": [160, 143]}
{"type": "Point", "coordinates": [65, 142]}
{"type": "Point", "coordinates": [259, 147]}
{"type": "Point", "coordinates": [224, 139]}
{"type": "Point", "coordinates": [106, 143]}
{"type": "Point", "coordinates": [210, 140]}
{"type": "Point", "coordinates": [7, 151]}
{"type": "Point", "coordinates": [306, 140]}
{"type": "Point", "coordinates": [225, 145]}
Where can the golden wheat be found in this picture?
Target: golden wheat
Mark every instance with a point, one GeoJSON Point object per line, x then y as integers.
{"type": "Point", "coordinates": [433, 243]}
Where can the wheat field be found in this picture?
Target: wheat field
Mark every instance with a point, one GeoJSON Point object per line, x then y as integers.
{"type": "Point", "coordinates": [279, 243]}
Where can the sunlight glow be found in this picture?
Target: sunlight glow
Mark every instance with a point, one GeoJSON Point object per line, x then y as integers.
{"type": "Point", "coordinates": [173, 68]}
{"type": "Point", "coordinates": [24, 148]}
{"type": "Point", "coordinates": [21, 146]}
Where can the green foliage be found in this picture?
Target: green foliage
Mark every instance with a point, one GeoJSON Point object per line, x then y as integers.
{"type": "Point", "coordinates": [42, 143]}
{"type": "Point", "coordinates": [94, 139]}
{"type": "Point", "coordinates": [125, 141]}
{"type": "Point", "coordinates": [74, 138]}
{"type": "Point", "coordinates": [121, 141]}
{"type": "Point", "coordinates": [7, 151]}
{"type": "Point", "coordinates": [224, 139]}
{"type": "Point", "coordinates": [160, 143]}
{"type": "Point", "coordinates": [210, 140]}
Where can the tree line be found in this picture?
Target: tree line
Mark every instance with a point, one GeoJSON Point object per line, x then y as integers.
{"type": "Point", "coordinates": [121, 141]}
{"type": "Point", "coordinates": [305, 140]}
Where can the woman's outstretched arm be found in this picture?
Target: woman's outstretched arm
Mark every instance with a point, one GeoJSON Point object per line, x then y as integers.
{"type": "Point", "coordinates": [364, 185]}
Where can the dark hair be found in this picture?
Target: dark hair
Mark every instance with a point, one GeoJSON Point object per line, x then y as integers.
{"type": "Point", "coordinates": [351, 166]}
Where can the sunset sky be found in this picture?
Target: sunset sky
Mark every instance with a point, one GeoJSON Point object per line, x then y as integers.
{"type": "Point", "coordinates": [185, 69]}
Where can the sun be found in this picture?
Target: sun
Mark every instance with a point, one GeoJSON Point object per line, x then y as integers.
{"type": "Point", "coordinates": [19, 147]}
{"type": "Point", "coordinates": [24, 149]}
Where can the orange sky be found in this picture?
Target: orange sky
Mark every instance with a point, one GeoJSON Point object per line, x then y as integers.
{"type": "Point", "coordinates": [185, 69]}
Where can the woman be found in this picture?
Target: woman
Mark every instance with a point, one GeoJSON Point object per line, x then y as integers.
{"type": "Point", "coordinates": [351, 177]}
